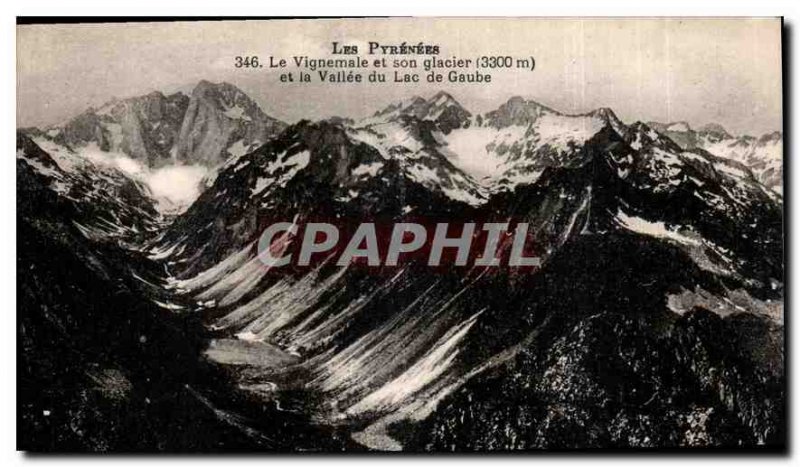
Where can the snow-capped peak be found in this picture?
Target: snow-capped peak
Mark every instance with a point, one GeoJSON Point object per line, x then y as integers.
{"type": "Point", "coordinates": [517, 111]}
{"type": "Point", "coordinates": [440, 106]}
{"type": "Point", "coordinates": [679, 127]}
{"type": "Point", "coordinates": [714, 129]}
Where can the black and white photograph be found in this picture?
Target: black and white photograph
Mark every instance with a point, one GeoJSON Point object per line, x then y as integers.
{"type": "Point", "coordinates": [400, 234]}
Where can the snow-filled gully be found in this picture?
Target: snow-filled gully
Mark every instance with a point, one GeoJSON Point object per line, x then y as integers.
{"type": "Point", "coordinates": [398, 369]}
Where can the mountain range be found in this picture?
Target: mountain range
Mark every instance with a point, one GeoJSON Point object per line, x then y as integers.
{"type": "Point", "coordinates": [655, 319]}
{"type": "Point", "coordinates": [217, 121]}
{"type": "Point", "coordinates": [763, 155]}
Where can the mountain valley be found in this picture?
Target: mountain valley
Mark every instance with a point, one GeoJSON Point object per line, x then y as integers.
{"type": "Point", "coordinates": [655, 319]}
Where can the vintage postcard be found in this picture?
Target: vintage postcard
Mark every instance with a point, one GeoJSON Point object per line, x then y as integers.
{"type": "Point", "coordinates": [400, 234]}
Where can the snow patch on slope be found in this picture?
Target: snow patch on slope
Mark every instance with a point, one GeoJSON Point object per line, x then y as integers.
{"type": "Point", "coordinates": [467, 149]}
{"type": "Point", "coordinates": [292, 165]}
{"type": "Point", "coordinates": [653, 229]}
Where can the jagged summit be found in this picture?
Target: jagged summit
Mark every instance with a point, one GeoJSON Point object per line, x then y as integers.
{"type": "Point", "coordinates": [442, 95]}
{"type": "Point", "coordinates": [214, 122]}
{"type": "Point", "coordinates": [441, 108]}
{"type": "Point", "coordinates": [205, 87]}
{"type": "Point", "coordinates": [775, 136]}
{"type": "Point", "coordinates": [222, 121]}
{"type": "Point", "coordinates": [421, 107]}
{"type": "Point", "coordinates": [605, 113]}
{"type": "Point", "coordinates": [714, 129]}
{"type": "Point", "coordinates": [206, 84]}
{"type": "Point", "coordinates": [445, 110]}
{"type": "Point", "coordinates": [143, 127]}
{"type": "Point", "coordinates": [710, 129]}
{"type": "Point", "coordinates": [679, 126]}
{"type": "Point", "coordinates": [443, 98]}
{"type": "Point", "coordinates": [517, 111]}
{"type": "Point", "coordinates": [763, 155]}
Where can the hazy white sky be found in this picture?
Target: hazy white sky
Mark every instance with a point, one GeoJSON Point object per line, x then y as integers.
{"type": "Point", "coordinates": [698, 70]}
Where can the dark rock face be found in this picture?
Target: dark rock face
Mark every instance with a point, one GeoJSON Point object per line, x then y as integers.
{"type": "Point", "coordinates": [217, 121]}
{"type": "Point", "coordinates": [103, 201]}
{"type": "Point", "coordinates": [679, 132]}
{"type": "Point", "coordinates": [101, 366]}
{"type": "Point", "coordinates": [219, 116]}
{"type": "Point", "coordinates": [516, 111]}
{"type": "Point", "coordinates": [615, 380]}
{"type": "Point", "coordinates": [714, 129]}
{"type": "Point", "coordinates": [144, 128]}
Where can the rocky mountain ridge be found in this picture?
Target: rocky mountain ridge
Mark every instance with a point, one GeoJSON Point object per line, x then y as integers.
{"type": "Point", "coordinates": [663, 244]}
{"type": "Point", "coordinates": [763, 155]}
{"type": "Point", "coordinates": [216, 121]}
